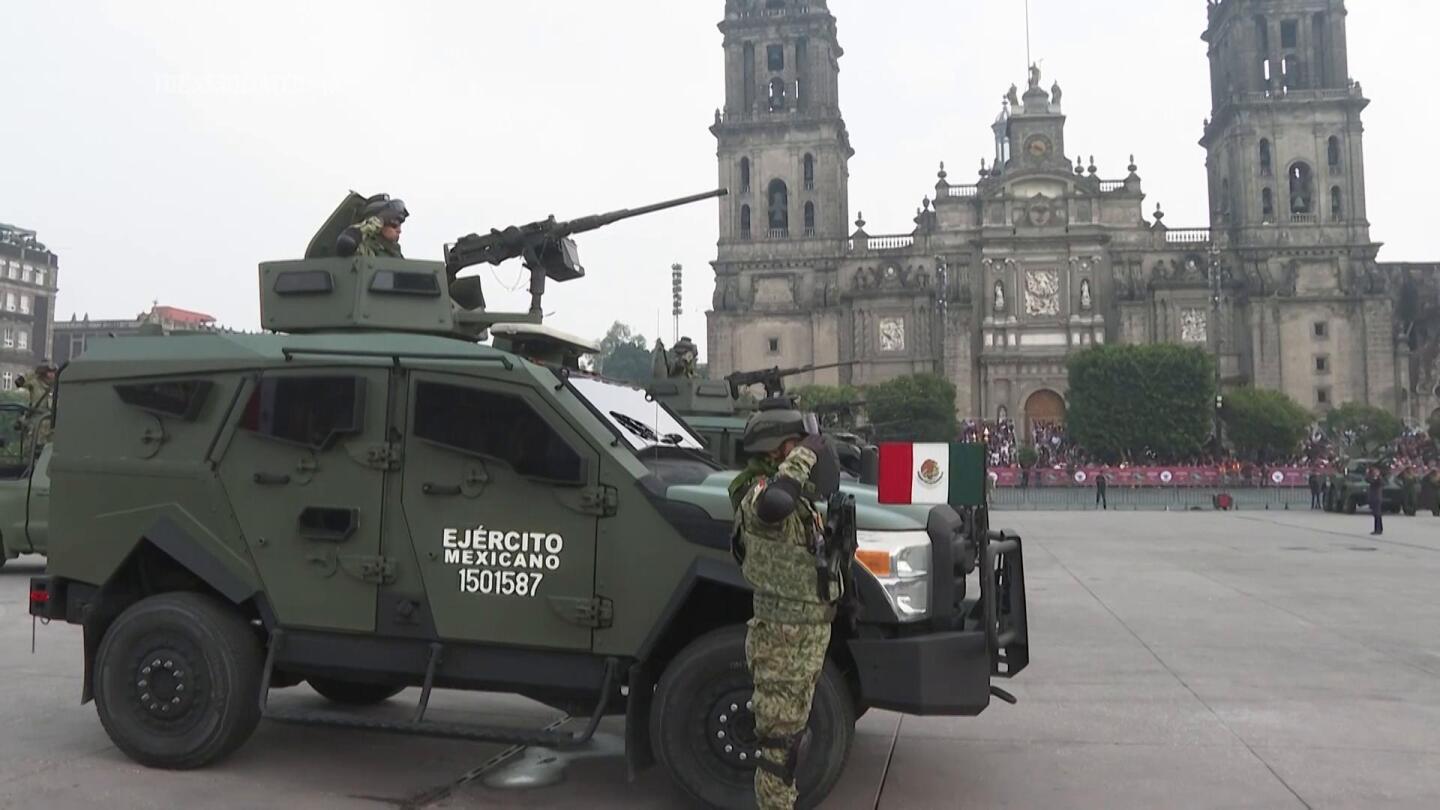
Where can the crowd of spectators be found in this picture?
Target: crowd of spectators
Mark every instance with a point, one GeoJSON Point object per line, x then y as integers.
{"type": "Point", "coordinates": [1054, 449]}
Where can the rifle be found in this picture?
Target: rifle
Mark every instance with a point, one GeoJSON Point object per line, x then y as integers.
{"type": "Point", "coordinates": [836, 554]}
{"type": "Point", "coordinates": [545, 247]}
{"type": "Point", "coordinates": [773, 378]}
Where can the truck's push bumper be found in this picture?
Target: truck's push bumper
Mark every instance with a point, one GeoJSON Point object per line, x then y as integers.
{"type": "Point", "coordinates": [948, 673]}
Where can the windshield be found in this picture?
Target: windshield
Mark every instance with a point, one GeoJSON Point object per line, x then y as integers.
{"type": "Point", "coordinates": [641, 421]}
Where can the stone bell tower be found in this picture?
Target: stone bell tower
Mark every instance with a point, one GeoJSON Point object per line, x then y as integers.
{"type": "Point", "coordinates": [784, 154]}
{"type": "Point", "coordinates": [1286, 166]}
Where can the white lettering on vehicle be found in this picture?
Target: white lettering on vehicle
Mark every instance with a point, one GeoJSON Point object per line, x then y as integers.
{"type": "Point", "coordinates": [501, 563]}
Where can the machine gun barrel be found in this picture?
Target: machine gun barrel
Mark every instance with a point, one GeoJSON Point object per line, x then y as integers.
{"type": "Point", "coordinates": [543, 244]}
{"type": "Point", "coordinates": [774, 378]}
{"type": "Point", "coordinates": [591, 223]}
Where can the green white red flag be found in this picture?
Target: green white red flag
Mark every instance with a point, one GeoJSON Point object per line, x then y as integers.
{"type": "Point", "coordinates": [932, 474]}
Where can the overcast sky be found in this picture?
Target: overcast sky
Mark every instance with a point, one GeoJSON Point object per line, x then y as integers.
{"type": "Point", "coordinates": [163, 149]}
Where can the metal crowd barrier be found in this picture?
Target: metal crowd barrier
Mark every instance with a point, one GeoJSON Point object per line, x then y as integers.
{"type": "Point", "coordinates": [1151, 499]}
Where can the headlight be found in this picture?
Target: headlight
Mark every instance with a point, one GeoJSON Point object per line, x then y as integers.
{"type": "Point", "coordinates": [900, 561]}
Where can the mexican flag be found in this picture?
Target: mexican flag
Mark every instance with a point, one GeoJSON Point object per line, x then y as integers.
{"type": "Point", "coordinates": [932, 474]}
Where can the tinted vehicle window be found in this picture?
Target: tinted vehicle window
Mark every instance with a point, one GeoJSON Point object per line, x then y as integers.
{"type": "Point", "coordinates": [496, 426]}
{"type": "Point", "coordinates": [180, 398]}
{"type": "Point", "coordinates": [313, 411]}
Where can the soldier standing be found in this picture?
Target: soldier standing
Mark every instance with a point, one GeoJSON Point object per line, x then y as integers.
{"type": "Point", "coordinates": [39, 419]}
{"type": "Point", "coordinates": [778, 531]}
{"type": "Point", "coordinates": [377, 233]}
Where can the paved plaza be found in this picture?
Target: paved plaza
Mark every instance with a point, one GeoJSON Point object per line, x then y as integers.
{"type": "Point", "coordinates": [1180, 660]}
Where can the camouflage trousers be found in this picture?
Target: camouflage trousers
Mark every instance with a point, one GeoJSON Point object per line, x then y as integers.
{"type": "Point", "coordinates": [785, 660]}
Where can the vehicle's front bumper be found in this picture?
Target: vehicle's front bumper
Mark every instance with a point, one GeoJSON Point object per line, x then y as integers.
{"type": "Point", "coordinates": [949, 672]}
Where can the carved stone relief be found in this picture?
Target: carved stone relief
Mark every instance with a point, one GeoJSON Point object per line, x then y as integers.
{"type": "Point", "coordinates": [1042, 293]}
{"type": "Point", "coordinates": [1194, 326]}
{"type": "Point", "coordinates": [892, 334]}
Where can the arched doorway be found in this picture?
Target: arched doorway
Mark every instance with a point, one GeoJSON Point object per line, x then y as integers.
{"type": "Point", "coordinates": [1043, 406]}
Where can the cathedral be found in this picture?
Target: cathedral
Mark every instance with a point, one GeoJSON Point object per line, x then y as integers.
{"type": "Point", "coordinates": [1003, 278]}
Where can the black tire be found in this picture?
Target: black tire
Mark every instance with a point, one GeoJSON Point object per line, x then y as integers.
{"type": "Point", "coordinates": [177, 680]}
{"type": "Point", "coordinates": [704, 691]}
{"type": "Point", "coordinates": [1350, 506]}
{"type": "Point", "coordinates": [1410, 511]}
{"type": "Point", "coordinates": [350, 693]}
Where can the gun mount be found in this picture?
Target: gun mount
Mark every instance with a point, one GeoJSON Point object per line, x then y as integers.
{"type": "Point", "coordinates": [774, 378]}
{"type": "Point", "coordinates": [545, 248]}
{"type": "Point", "coordinates": [325, 292]}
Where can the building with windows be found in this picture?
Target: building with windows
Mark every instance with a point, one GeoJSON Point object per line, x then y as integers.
{"type": "Point", "coordinates": [74, 335]}
{"type": "Point", "coordinates": [1004, 277]}
{"type": "Point", "coordinates": [28, 272]}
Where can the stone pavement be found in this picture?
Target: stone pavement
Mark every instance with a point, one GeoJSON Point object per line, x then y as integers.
{"type": "Point", "coordinates": [1182, 660]}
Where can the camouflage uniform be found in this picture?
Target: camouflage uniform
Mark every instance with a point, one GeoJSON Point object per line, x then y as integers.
{"type": "Point", "coordinates": [40, 419]}
{"type": "Point", "coordinates": [372, 243]}
{"type": "Point", "coordinates": [787, 639]}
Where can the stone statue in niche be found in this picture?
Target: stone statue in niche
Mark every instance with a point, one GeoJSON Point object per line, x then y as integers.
{"type": "Point", "coordinates": [1087, 302]}
{"type": "Point", "coordinates": [1000, 297]}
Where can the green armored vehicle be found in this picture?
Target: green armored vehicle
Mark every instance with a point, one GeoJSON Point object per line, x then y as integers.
{"type": "Point", "coordinates": [1349, 490]}
{"type": "Point", "coordinates": [717, 410]}
{"type": "Point", "coordinates": [368, 499]}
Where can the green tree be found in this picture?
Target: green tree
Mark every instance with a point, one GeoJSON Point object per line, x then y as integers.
{"type": "Point", "coordinates": [837, 405]}
{"type": "Point", "coordinates": [624, 355]}
{"type": "Point", "coordinates": [1136, 399]}
{"type": "Point", "coordinates": [1362, 429]}
{"type": "Point", "coordinates": [1264, 425]}
{"type": "Point", "coordinates": [916, 409]}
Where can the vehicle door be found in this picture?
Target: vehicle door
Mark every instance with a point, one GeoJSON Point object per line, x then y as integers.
{"type": "Point", "coordinates": [500, 496]}
{"type": "Point", "coordinates": [304, 470]}
{"type": "Point", "coordinates": [37, 506]}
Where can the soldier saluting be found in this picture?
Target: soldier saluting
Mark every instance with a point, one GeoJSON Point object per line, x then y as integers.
{"type": "Point", "coordinates": [778, 531]}
{"type": "Point", "coordinates": [377, 232]}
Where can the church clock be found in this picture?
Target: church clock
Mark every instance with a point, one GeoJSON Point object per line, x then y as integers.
{"type": "Point", "coordinates": [1038, 148]}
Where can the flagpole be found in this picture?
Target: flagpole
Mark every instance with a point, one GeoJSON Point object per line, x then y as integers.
{"type": "Point", "coordinates": [1028, 63]}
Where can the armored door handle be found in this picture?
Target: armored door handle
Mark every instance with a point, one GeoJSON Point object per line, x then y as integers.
{"type": "Point", "coordinates": [439, 489]}
{"type": "Point", "coordinates": [271, 479]}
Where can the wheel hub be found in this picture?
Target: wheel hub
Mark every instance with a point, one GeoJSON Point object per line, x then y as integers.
{"type": "Point", "coordinates": [165, 685]}
{"type": "Point", "coordinates": [730, 729]}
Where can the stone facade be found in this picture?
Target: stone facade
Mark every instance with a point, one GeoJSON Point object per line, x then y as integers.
{"type": "Point", "coordinates": [1003, 278]}
{"type": "Point", "coordinates": [73, 337]}
{"type": "Point", "coordinates": [28, 278]}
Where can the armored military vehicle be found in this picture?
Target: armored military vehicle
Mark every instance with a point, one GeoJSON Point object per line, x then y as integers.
{"type": "Point", "coordinates": [717, 410]}
{"type": "Point", "coordinates": [368, 499]}
{"type": "Point", "coordinates": [24, 484]}
{"type": "Point", "coordinates": [1349, 490]}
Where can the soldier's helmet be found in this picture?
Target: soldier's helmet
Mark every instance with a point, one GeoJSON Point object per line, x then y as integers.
{"type": "Point", "coordinates": [386, 209]}
{"type": "Point", "coordinates": [777, 421]}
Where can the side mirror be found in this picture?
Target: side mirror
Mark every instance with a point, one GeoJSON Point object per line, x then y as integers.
{"type": "Point", "coordinates": [870, 466]}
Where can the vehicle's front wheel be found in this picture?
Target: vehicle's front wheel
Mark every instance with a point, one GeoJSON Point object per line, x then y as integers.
{"type": "Point", "coordinates": [1350, 506]}
{"type": "Point", "coordinates": [703, 731]}
{"type": "Point", "coordinates": [177, 680]}
{"type": "Point", "coordinates": [350, 693]}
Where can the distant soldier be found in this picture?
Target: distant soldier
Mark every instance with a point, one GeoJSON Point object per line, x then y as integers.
{"type": "Point", "coordinates": [1410, 491]}
{"type": "Point", "coordinates": [377, 233]}
{"type": "Point", "coordinates": [39, 420]}
{"type": "Point", "coordinates": [1102, 487]}
{"type": "Point", "coordinates": [1376, 497]}
{"type": "Point", "coordinates": [778, 530]}
{"type": "Point", "coordinates": [686, 355]}
{"type": "Point", "coordinates": [1315, 489]}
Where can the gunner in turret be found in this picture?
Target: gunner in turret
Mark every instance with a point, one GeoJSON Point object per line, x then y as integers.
{"type": "Point", "coordinates": [377, 232]}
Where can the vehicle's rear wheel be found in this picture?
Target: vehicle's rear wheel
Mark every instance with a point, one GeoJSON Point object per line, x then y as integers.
{"type": "Point", "coordinates": [1350, 506]}
{"type": "Point", "coordinates": [703, 731]}
{"type": "Point", "coordinates": [350, 693]}
{"type": "Point", "coordinates": [177, 680]}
